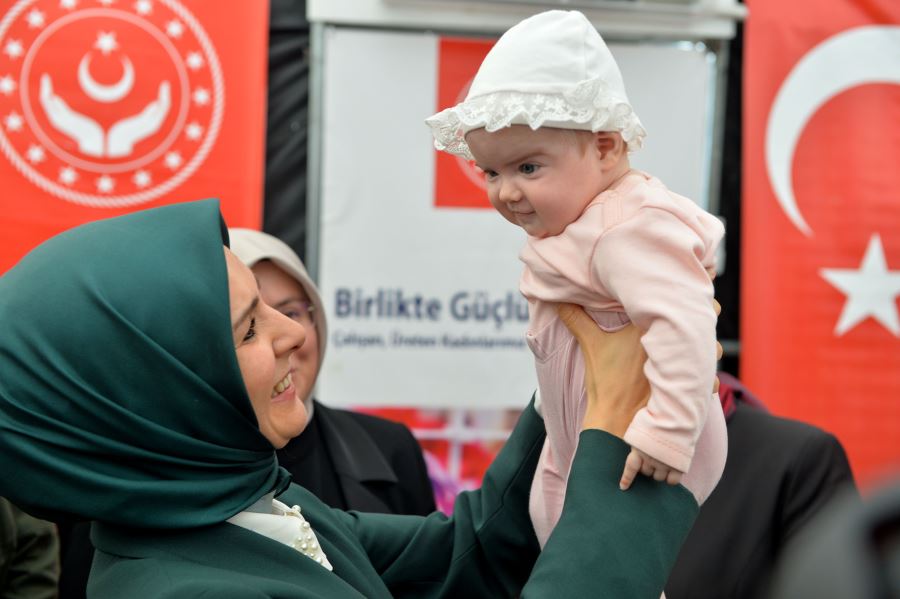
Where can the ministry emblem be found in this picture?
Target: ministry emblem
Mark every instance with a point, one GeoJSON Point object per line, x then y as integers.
{"type": "Point", "coordinates": [107, 103]}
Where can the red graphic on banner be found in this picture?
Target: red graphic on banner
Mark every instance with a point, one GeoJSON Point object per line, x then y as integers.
{"type": "Point", "coordinates": [107, 107]}
{"type": "Point", "coordinates": [458, 182]}
{"type": "Point", "coordinates": [820, 323]}
{"type": "Point", "coordinates": [452, 467]}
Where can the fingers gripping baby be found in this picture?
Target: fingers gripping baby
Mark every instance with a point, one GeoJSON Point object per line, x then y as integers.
{"type": "Point", "coordinates": [548, 121]}
{"type": "Point", "coordinates": [639, 462]}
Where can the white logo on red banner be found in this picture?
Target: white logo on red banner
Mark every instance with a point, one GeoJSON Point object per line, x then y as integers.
{"type": "Point", "coordinates": [106, 103]}
{"type": "Point", "coordinates": [849, 59]}
{"type": "Point", "coordinates": [871, 290]}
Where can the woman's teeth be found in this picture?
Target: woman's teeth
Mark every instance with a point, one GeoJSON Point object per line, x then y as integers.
{"type": "Point", "coordinates": [282, 385]}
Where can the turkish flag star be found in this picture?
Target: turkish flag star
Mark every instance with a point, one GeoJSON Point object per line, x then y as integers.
{"type": "Point", "coordinates": [871, 290]}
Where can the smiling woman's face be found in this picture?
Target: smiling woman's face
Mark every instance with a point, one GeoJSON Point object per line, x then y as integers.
{"type": "Point", "coordinates": [284, 293]}
{"type": "Point", "coordinates": [266, 343]}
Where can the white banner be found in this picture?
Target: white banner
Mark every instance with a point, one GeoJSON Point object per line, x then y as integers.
{"type": "Point", "coordinates": [422, 301]}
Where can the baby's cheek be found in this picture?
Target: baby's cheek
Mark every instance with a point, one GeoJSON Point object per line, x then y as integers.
{"type": "Point", "coordinates": [558, 212]}
{"type": "Point", "coordinates": [495, 202]}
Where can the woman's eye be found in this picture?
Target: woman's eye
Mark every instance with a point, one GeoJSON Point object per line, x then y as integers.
{"type": "Point", "coordinates": [251, 332]}
{"type": "Point", "coordinates": [528, 169]}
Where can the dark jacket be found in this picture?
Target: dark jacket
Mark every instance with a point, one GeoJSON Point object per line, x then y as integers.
{"type": "Point", "coordinates": [363, 463]}
{"type": "Point", "coordinates": [779, 474]}
{"type": "Point", "coordinates": [29, 549]}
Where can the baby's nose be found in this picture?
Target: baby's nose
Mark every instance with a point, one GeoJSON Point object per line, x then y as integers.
{"type": "Point", "coordinates": [510, 193]}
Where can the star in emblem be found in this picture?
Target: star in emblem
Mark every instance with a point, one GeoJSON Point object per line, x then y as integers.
{"type": "Point", "coordinates": [35, 18]}
{"type": "Point", "coordinates": [68, 4]}
{"type": "Point", "coordinates": [105, 184]}
{"type": "Point", "coordinates": [35, 154]}
{"type": "Point", "coordinates": [106, 42]}
{"type": "Point", "coordinates": [201, 96]}
{"type": "Point", "coordinates": [174, 29]}
{"type": "Point", "coordinates": [143, 7]}
{"type": "Point", "coordinates": [194, 60]}
{"type": "Point", "coordinates": [173, 160]}
{"type": "Point", "coordinates": [7, 85]}
{"type": "Point", "coordinates": [13, 49]}
{"type": "Point", "coordinates": [193, 131]}
{"type": "Point", "coordinates": [871, 290]}
{"type": "Point", "coordinates": [142, 178]}
{"type": "Point", "coordinates": [67, 175]}
{"type": "Point", "coordinates": [13, 122]}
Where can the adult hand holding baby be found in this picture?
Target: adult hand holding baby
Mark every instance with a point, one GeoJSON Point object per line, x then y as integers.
{"type": "Point", "coordinates": [612, 401]}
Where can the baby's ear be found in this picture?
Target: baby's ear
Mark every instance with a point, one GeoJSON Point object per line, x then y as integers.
{"type": "Point", "coordinates": [610, 145]}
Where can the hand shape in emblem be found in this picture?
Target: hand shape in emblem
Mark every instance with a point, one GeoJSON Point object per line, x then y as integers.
{"type": "Point", "coordinates": [130, 130]}
{"type": "Point", "coordinates": [84, 130]}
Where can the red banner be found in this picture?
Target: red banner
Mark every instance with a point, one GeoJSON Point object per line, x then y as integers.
{"type": "Point", "coordinates": [108, 106]}
{"type": "Point", "coordinates": [820, 331]}
{"type": "Point", "coordinates": [458, 183]}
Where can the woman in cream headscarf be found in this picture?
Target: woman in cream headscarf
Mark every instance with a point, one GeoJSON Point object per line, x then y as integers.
{"type": "Point", "coordinates": [144, 386]}
{"type": "Point", "coordinates": [349, 460]}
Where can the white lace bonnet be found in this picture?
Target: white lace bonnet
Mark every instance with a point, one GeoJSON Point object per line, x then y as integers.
{"type": "Point", "coordinates": [550, 70]}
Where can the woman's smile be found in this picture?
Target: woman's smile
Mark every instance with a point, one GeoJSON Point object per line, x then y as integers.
{"type": "Point", "coordinates": [284, 386]}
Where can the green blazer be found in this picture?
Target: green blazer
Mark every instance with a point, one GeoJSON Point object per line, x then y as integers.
{"type": "Point", "coordinates": [608, 543]}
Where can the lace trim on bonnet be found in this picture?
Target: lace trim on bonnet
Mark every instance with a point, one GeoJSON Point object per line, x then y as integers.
{"type": "Point", "coordinates": [589, 104]}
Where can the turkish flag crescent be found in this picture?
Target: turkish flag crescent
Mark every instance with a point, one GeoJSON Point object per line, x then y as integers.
{"type": "Point", "coordinates": [110, 106]}
{"type": "Point", "coordinates": [820, 328]}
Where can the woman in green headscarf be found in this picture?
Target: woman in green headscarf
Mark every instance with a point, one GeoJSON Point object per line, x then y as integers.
{"type": "Point", "coordinates": [144, 386]}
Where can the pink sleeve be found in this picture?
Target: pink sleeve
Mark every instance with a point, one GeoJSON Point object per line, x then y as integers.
{"type": "Point", "coordinates": [654, 264]}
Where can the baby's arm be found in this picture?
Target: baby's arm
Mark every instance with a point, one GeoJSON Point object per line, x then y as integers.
{"type": "Point", "coordinates": [655, 264]}
{"type": "Point", "coordinates": [638, 461]}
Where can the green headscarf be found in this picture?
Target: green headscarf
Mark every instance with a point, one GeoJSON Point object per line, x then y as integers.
{"type": "Point", "coordinates": [121, 399]}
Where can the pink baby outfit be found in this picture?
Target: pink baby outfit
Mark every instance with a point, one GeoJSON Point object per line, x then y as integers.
{"type": "Point", "coordinates": [641, 253]}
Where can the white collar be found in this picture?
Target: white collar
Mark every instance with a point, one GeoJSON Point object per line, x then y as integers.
{"type": "Point", "coordinates": [283, 524]}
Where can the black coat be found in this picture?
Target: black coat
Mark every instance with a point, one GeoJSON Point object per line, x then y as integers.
{"type": "Point", "coordinates": [355, 461]}
{"type": "Point", "coordinates": [779, 473]}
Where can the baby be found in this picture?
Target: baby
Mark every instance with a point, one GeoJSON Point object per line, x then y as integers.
{"type": "Point", "coordinates": [548, 121]}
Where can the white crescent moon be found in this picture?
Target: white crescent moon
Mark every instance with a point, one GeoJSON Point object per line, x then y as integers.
{"type": "Point", "coordinates": [105, 93]}
{"type": "Point", "coordinates": [851, 58]}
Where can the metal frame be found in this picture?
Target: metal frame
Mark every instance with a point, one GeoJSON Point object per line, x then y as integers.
{"type": "Point", "coordinates": [314, 148]}
{"type": "Point", "coordinates": [660, 19]}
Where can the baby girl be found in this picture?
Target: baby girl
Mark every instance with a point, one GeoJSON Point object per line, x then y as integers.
{"type": "Point", "coordinates": [548, 121]}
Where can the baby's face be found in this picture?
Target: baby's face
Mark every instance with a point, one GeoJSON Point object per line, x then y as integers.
{"type": "Point", "coordinates": [540, 180]}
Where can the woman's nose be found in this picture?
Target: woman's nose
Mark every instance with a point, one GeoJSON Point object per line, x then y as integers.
{"type": "Point", "coordinates": [293, 334]}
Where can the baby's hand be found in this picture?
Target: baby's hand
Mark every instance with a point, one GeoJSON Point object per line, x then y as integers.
{"type": "Point", "coordinates": [638, 461]}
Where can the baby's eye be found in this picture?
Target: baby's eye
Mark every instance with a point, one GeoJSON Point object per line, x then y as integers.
{"type": "Point", "coordinates": [251, 332]}
{"type": "Point", "coordinates": [489, 174]}
{"type": "Point", "coordinates": [528, 168]}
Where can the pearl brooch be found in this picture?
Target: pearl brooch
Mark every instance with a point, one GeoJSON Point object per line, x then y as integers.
{"type": "Point", "coordinates": [306, 542]}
